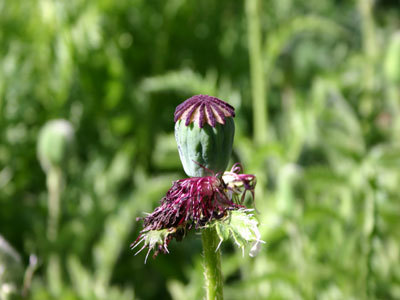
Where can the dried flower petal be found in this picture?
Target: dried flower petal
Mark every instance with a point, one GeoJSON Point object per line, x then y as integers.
{"type": "Point", "coordinates": [193, 202]}
{"type": "Point", "coordinates": [239, 183]}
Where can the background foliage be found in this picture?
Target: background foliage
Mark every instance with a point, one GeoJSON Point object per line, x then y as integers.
{"type": "Point", "coordinates": [316, 89]}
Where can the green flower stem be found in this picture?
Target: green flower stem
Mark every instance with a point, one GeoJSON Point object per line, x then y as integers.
{"type": "Point", "coordinates": [54, 186]}
{"type": "Point", "coordinates": [258, 90]}
{"type": "Point", "coordinates": [212, 264]}
{"type": "Point", "coordinates": [54, 182]}
{"type": "Point", "coordinates": [366, 8]}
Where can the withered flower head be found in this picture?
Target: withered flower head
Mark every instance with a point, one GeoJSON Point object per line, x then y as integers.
{"type": "Point", "coordinates": [193, 202]}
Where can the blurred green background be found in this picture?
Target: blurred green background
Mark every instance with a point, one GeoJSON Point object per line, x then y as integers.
{"type": "Point", "coordinates": [316, 87]}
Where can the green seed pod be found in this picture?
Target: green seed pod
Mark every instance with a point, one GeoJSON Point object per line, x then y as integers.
{"type": "Point", "coordinates": [55, 143]}
{"type": "Point", "coordinates": [392, 60]}
{"type": "Point", "coordinates": [204, 132]}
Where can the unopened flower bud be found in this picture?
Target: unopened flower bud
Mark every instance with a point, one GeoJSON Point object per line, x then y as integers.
{"type": "Point", "coordinates": [55, 143]}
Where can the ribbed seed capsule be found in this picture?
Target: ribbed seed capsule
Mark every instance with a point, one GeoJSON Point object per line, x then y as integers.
{"type": "Point", "coordinates": [204, 132]}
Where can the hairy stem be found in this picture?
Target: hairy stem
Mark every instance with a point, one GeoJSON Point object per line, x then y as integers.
{"type": "Point", "coordinates": [212, 265]}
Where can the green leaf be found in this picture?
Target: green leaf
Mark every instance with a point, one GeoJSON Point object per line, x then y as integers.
{"type": "Point", "coordinates": [242, 227]}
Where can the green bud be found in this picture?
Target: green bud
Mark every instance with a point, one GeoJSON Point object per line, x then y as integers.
{"type": "Point", "coordinates": [55, 143]}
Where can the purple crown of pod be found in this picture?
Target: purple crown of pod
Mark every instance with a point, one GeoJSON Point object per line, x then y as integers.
{"type": "Point", "coordinates": [203, 109]}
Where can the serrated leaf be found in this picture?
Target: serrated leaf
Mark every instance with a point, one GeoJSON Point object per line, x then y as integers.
{"type": "Point", "coordinates": [242, 227]}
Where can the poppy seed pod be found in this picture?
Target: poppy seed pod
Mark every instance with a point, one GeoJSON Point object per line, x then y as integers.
{"type": "Point", "coordinates": [55, 143]}
{"type": "Point", "coordinates": [204, 132]}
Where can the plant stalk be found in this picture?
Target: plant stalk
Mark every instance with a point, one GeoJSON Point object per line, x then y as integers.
{"type": "Point", "coordinates": [54, 186]}
{"type": "Point", "coordinates": [366, 8]}
{"type": "Point", "coordinates": [212, 265]}
{"type": "Point", "coordinates": [257, 76]}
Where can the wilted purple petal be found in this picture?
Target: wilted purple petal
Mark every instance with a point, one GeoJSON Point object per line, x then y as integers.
{"type": "Point", "coordinates": [193, 202]}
